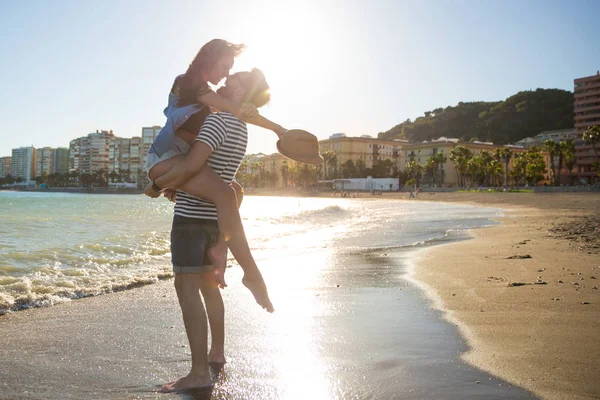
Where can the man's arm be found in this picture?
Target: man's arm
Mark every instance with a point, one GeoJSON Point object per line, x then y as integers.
{"type": "Point", "coordinates": [212, 134]}
{"type": "Point", "coordinates": [185, 170]}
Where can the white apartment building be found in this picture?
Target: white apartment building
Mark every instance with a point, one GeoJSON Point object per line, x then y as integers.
{"type": "Point", "coordinates": [125, 158]}
{"type": "Point", "coordinates": [91, 153]}
{"type": "Point", "coordinates": [23, 163]}
{"type": "Point", "coordinates": [148, 135]}
{"type": "Point", "coordinates": [5, 166]}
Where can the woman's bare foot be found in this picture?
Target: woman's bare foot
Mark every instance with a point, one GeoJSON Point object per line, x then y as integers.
{"type": "Point", "coordinates": [187, 383]}
{"type": "Point", "coordinates": [256, 285]}
{"type": "Point", "coordinates": [218, 256]}
{"type": "Point", "coordinates": [216, 357]}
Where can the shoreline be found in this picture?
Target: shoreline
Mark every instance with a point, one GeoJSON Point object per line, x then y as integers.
{"type": "Point", "coordinates": [541, 334]}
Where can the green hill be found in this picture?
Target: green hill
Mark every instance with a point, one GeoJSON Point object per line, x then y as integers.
{"type": "Point", "coordinates": [522, 115]}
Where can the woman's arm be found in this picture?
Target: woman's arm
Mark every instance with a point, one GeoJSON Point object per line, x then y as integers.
{"type": "Point", "coordinates": [245, 111]}
{"type": "Point", "coordinates": [214, 100]}
{"type": "Point", "coordinates": [263, 122]}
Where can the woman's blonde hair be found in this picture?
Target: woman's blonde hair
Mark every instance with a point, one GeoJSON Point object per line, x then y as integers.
{"type": "Point", "coordinates": [209, 54]}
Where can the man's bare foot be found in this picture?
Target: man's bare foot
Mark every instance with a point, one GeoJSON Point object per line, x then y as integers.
{"type": "Point", "coordinates": [187, 383]}
{"type": "Point", "coordinates": [218, 256]}
{"type": "Point", "coordinates": [257, 286]}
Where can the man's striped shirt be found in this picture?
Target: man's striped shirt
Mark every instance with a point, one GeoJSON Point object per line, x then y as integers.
{"type": "Point", "coordinates": [227, 136]}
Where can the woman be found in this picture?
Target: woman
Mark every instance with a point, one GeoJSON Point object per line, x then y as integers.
{"type": "Point", "coordinates": [184, 119]}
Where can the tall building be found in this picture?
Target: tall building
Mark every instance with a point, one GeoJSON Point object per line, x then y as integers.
{"type": "Point", "coordinates": [587, 101]}
{"type": "Point", "coordinates": [75, 154]}
{"type": "Point", "coordinates": [23, 163]}
{"type": "Point", "coordinates": [126, 159]}
{"type": "Point", "coordinates": [44, 164]}
{"type": "Point", "coordinates": [5, 166]}
{"type": "Point", "coordinates": [61, 160]}
{"type": "Point", "coordinates": [148, 135]}
{"type": "Point", "coordinates": [90, 153]}
{"type": "Point", "coordinates": [587, 113]}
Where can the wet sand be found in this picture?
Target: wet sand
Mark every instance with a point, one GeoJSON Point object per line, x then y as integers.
{"type": "Point", "coordinates": [345, 326]}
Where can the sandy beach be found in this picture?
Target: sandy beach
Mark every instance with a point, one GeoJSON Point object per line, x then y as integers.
{"type": "Point", "coordinates": [525, 293]}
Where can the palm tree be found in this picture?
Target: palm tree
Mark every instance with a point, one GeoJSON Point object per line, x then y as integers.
{"type": "Point", "coordinates": [592, 136]}
{"type": "Point", "coordinates": [360, 168]}
{"type": "Point", "coordinates": [504, 154]}
{"type": "Point", "coordinates": [568, 154]}
{"type": "Point", "coordinates": [554, 149]}
{"type": "Point", "coordinates": [486, 161]}
{"type": "Point", "coordinates": [327, 156]}
{"type": "Point", "coordinates": [414, 170]}
{"type": "Point", "coordinates": [460, 155]}
{"type": "Point", "coordinates": [440, 159]}
{"type": "Point", "coordinates": [284, 173]}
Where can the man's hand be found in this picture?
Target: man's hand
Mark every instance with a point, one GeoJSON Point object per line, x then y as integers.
{"type": "Point", "coordinates": [170, 194]}
{"type": "Point", "coordinates": [149, 191]}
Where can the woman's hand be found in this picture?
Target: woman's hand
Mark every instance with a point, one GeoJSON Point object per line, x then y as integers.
{"type": "Point", "coordinates": [247, 110]}
{"type": "Point", "coordinates": [149, 191]}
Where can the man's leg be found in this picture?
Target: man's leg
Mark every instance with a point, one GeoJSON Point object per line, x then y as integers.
{"type": "Point", "coordinates": [216, 318]}
{"type": "Point", "coordinates": [188, 241]}
{"type": "Point", "coordinates": [208, 185]}
{"type": "Point", "coordinates": [194, 319]}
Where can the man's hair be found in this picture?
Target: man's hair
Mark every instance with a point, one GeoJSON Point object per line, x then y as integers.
{"type": "Point", "coordinates": [255, 85]}
{"type": "Point", "coordinates": [258, 93]}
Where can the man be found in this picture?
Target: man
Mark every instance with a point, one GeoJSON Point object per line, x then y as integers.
{"type": "Point", "coordinates": [222, 143]}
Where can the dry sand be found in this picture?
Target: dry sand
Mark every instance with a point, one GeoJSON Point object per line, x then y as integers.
{"type": "Point", "coordinates": [532, 321]}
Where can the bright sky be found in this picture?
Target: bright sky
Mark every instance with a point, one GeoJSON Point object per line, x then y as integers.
{"type": "Point", "coordinates": [359, 67]}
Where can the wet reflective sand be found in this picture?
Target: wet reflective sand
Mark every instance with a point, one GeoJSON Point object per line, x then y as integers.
{"type": "Point", "coordinates": [346, 326]}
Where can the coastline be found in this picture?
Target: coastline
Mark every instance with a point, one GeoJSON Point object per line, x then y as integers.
{"type": "Point", "coordinates": [530, 321]}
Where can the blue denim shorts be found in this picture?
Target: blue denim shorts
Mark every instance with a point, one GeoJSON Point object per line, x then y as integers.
{"type": "Point", "coordinates": [180, 146]}
{"type": "Point", "coordinates": [190, 239]}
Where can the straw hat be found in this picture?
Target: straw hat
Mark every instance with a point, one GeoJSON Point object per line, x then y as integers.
{"type": "Point", "coordinates": [300, 146]}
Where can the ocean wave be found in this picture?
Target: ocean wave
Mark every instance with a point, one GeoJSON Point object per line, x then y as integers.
{"type": "Point", "coordinates": [320, 215]}
{"type": "Point", "coordinates": [27, 293]}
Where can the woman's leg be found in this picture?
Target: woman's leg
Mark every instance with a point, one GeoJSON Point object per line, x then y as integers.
{"type": "Point", "coordinates": [208, 185]}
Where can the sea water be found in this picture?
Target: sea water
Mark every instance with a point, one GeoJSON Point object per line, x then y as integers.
{"type": "Point", "coordinates": [56, 247]}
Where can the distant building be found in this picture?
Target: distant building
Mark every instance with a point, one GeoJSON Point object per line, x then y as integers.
{"type": "Point", "coordinates": [5, 166]}
{"type": "Point", "coordinates": [90, 153]}
{"type": "Point", "coordinates": [44, 161]}
{"type": "Point", "coordinates": [558, 136]}
{"type": "Point", "coordinates": [366, 150]}
{"type": "Point", "coordinates": [125, 158]}
{"type": "Point", "coordinates": [61, 160]}
{"type": "Point", "coordinates": [277, 169]}
{"type": "Point", "coordinates": [75, 154]}
{"type": "Point", "coordinates": [23, 163]}
{"type": "Point", "coordinates": [587, 101]}
{"type": "Point", "coordinates": [51, 160]}
{"type": "Point", "coordinates": [421, 152]}
{"type": "Point", "coordinates": [148, 135]}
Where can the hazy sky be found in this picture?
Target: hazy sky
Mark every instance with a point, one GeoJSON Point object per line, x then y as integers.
{"type": "Point", "coordinates": [359, 67]}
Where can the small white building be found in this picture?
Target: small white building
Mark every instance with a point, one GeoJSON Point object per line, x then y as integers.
{"type": "Point", "coordinates": [367, 184]}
